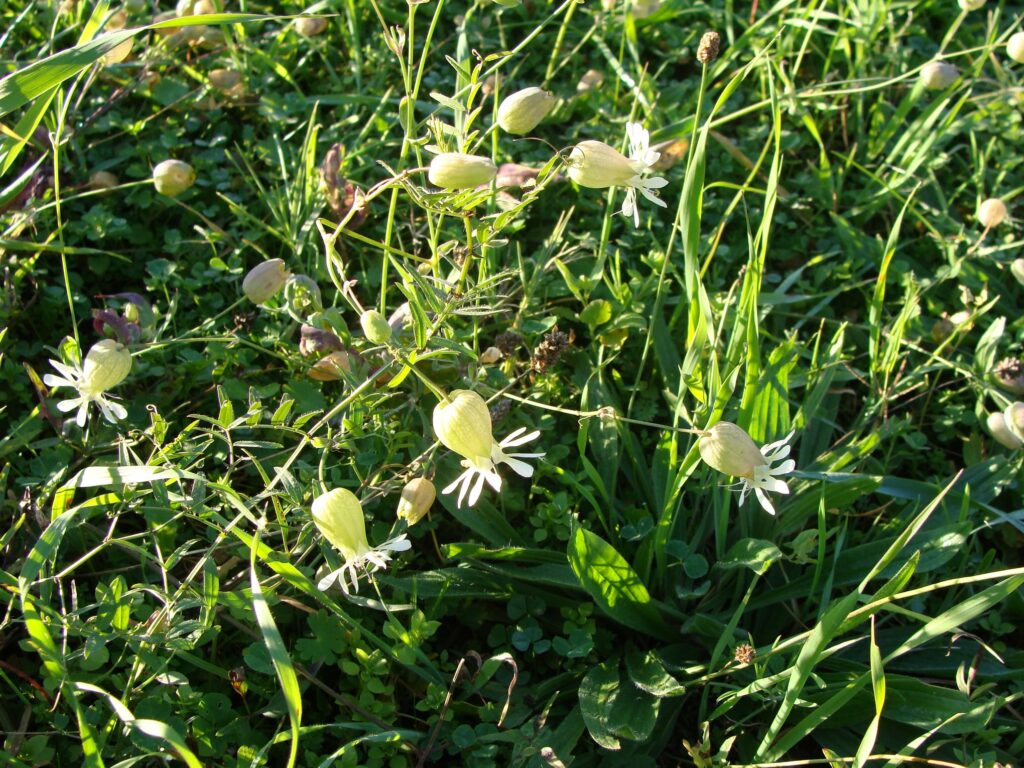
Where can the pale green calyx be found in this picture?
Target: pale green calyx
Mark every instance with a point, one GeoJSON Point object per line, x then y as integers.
{"type": "Point", "coordinates": [172, 177]}
{"type": "Point", "coordinates": [458, 170]}
{"type": "Point", "coordinates": [1015, 47]}
{"type": "Point", "coordinates": [936, 75]}
{"type": "Point", "coordinates": [106, 365]}
{"type": "Point", "coordinates": [520, 112]}
{"type": "Point", "coordinates": [730, 450]}
{"type": "Point", "coordinates": [417, 498]}
{"type": "Point", "coordinates": [463, 424]}
{"type": "Point", "coordinates": [375, 327]}
{"type": "Point", "coordinates": [339, 517]}
{"type": "Point", "coordinates": [264, 281]}
{"type": "Point", "coordinates": [596, 165]}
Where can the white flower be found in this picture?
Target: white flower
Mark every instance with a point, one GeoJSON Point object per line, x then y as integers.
{"type": "Point", "coordinates": [643, 158]}
{"type": "Point", "coordinates": [339, 516]}
{"type": "Point", "coordinates": [727, 448]}
{"type": "Point", "coordinates": [595, 164]}
{"type": "Point", "coordinates": [463, 425]}
{"type": "Point", "coordinates": [106, 365]}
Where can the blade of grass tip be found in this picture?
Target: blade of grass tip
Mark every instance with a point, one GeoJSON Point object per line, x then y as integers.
{"type": "Point", "coordinates": [278, 653]}
{"type": "Point", "coordinates": [961, 614]}
{"type": "Point", "coordinates": [867, 743]}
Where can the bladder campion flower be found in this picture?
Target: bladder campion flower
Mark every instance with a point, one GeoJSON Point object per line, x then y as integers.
{"type": "Point", "coordinates": [730, 450]}
{"type": "Point", "coordinates": [106, 365]}
{"type": "Point", "coordinates": [264, 281]}
{"type": "Point", "coordinates": [339, 516]}
{"type": "Point", "coordinates": [596, 165]}
{"type": "Point", "coordinates": [520, 112]}
{"type": "Point", "coordinates": [457, 170]}
{"type": "Point", "coordinates": [463, 425]}
{"type": "Point", "coordinates": [936, 75]}
{"type": "Point", "coordinates": [172, 177]}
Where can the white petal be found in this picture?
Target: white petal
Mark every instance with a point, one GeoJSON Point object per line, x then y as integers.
{"type": "Point", "coordinates": [69, 405]}
{"type": "Point", "coordinates": [474, 496]}
{"type": "Point", "coordinates": [493, 480]}
{"type": "Point", "coordinates": [655, 182]}
{"type": "Point", "coordinates": [517, 438]}
{"type": "Point", "coordinates": [467, 481]}
{"type": "Point", "coordinates": [653, 198]}
{"type": "Point", "coordinates": [83, 413]}
{"type": "Point", "coordinates": [73, 374]}
{"type": "Point", "coordinates": [783, 469]}
{"type": "Point", "coordinates": [765, 501]}
{"type": "Point", "coordinates": [56, 381]}
{"type": "Point", "coordinates": [397, 544]}
{"type": "Point", "coordinates": [325, 583]}
{"type": "Point", "coordinates": [521, 468]}
{"type": "Point", "coordinates": [772, 484]}
{"type": "Point", "coordinates": [455, 484]}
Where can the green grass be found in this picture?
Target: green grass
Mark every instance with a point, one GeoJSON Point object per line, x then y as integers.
{"type": "Point", "coordinates": [819, 268]}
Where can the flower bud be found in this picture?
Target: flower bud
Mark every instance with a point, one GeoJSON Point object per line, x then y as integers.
{"type": "Point", "coordinates": [936, 75]}
{"type": "Point", "coordinates": [730, 450]}
{"type": "Point", "coordinates": [490, 356]}
{"type": "Point", "coordinates": [1015, 47]}
{"type": "Point", "coordinates": [463, 424]}
{"type": "Point", "coordinates": [265, 281]}
{"type": "Point", "coordinates": [227, 81]}
{"type": "Point", "coordinates": [970, 5]}
{"type": "Point", "coordinates": [1017, 270]}
{"type": "Point", "coordinates": [457, 170]}
{"type": "Point", "coordinates": [331, 367]}
{"type": "Point", "coordinates": [991, 212]}
{"type": "Point", "coordinates": [707, 50]}
{"type": "Point", "coordinates": [591, 79]}
{"type": "Point", "coordinates": [339, 516]}
{"type": "Point", "coordinates": [375, 327]}
{"type": "Point", "coordinates": [203, 7]}
{"type": "Point", "coordinates": [106, 365]}
{"type": "Point", "coordinates": [1009, 374]}
{"type": "Point", "coordinates": [996, 424]}
{"type": "Point", "coordinates": [103, 180]}
{"type": "Point", "coordinates": [523, 110]}
{"type": "Point", "coordinates": [310, 26]}
{"type": "Point", "coordinates": [417, 497]}
{"type": "Point", "coordinates": [596, 165]}
{"type": "Point", "coordinates": [172, 177]}
{"type": "Point", "coordinates": [1014, 415]}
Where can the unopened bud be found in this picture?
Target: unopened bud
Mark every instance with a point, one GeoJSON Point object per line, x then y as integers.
{"type": "Point", "coordinates": [106, 365]}
{"type": "Point", "coordinates": [118, 53]}
{"type": "Point", "coordinates": [310, 26]}
{"type": "Point", "coordinates": [227, 81]}
{"type": "Point", "coordinates": [172, 177]}
{"type": "Point", "coordinates": [707, 49]}
{"type": "Point", "coordinates": [339, 517]}
{"type": "Point", "coordinates": [596, 165]}
{"type": "Point", "coordinates": [490, 356]}
{"type": "Point", "coordinates": [996, 424]}
{"type": "Point", "coordinates": [992, 212]}
{"type": "Point", "coordinates": [457, 170]}
{"type": "Point", "coordinates": [970, 5]}
{"type": "Point", "coordinates": [591, 79]}
{"type": "Point", "coordinates": [417, 497]}
{"type": "Point", "coordinates": [730, 450]}
{"type": "Point", "coordinates": [523, 110]}
{"type": "Point", "coordinates": [1015, 47]}
{"type": "Point", "coordinates": [265, 281]}
{"type": "Point", "coordinates": [936, 75]}
{"type": "Point", "coordinates": [1017, 270]}
{"type": "Point", "coordinates": [375, 327]}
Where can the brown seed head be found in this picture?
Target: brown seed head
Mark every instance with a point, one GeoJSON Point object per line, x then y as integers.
{"type": "Point", "coordinates": [707, 50]}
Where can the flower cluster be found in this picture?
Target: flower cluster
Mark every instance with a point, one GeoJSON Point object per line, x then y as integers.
{"type": "Point", "coordinates": [106, 365]}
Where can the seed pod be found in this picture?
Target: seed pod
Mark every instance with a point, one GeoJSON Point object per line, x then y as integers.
{"type": "Point", "coordinates": [730, 450]}
{"type": "Point", "coordinates": [523, 110]}
{"type": "Point", "coordinates": [331, 367]}
{"type": "Point", "coordinates": [310, 26]}
{"type": "Point", "coordinates": [106, 365]}
{"type": "Point", "coordinates": [595, 165]}
{"type": "Point", "coordinates": [375, 327]}
{"type": "Point", "coordinates": [265, 281]}
{"type": "Point", "coordinates": [457, 170]}
{"type": "Point", "coordinates": [490, 356]}
{"type": "Point", "coordinates": [1015, 47]}
{"type": "Point", "coordinates": [172, 177]}
{"type": "Point", "coordinates": [936, 75]}
{"type": "Point", "coordinates": [992, 212]}
{"type": "Point", "coordinates": [417, 498]}
{"type": "Point", "coordinates": [591, 79]}
{"type": "Point", "coordinates": [103, 180]}
{"type": "Point", "coordinates": [996, 424]}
